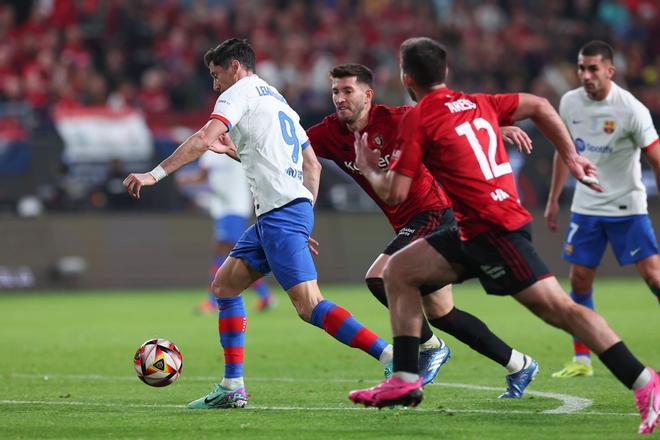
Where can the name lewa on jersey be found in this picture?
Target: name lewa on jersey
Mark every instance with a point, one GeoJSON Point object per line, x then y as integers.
{"type": "Point", "coordinates": [383, 163]}
{"type": "Point", "coordinates": [269, 91]}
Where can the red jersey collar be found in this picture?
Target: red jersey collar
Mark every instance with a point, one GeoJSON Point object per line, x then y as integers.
{"type": "Point", "coordinates": [436, 92]}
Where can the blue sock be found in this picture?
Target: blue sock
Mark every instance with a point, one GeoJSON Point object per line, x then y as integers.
{"type": "Point", "coordinates": [656, 292]}
{"type": "Point", "coordinates": [339, 324]}
{"type": "Point", "coordinates": [587, 300]}
{"type": "Point", "coordinates": [261, 288]}
{"type": "Point", "coordinates": [231, 327]}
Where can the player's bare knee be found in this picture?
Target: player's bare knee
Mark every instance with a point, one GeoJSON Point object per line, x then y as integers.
{"type": "Point", "coordinates": [373, 272]}
{"type": "Point", "coordinates": [221, 293]}
{"type": "Point", "coordinates": [555, 310]}
{"type": "Point", "coordinates": [304, 314]}
{"type": "Point", "coordinates": [579, 284]}
{"type": "Point", "coordinates": [303, 308]}
{"type": "Point", "coordinates": [581, 280]}
{"type": "Point", "coordinates": [396, 270]}
{"type": "Point", "coordinates": [391, 272]}
{"type": "Point", "coordinates": [305, 301]}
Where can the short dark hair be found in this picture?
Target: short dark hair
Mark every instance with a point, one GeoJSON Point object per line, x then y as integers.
{"type": "Point", "coordinates": [425, 60]}
{"type": "Point", "coordinates": [598, 47]}
{"type": "Point", "coordinates": [361, 73]}
{"type": "Point", "coordinates": [231, 49]}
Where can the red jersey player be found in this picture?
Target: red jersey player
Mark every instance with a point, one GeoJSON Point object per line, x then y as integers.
{"type": "Point", "coordinates": [456, 137]}
{"type": "Point", "coordinates": [425, 210]}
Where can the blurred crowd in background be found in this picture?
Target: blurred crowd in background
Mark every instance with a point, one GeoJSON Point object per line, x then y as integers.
{"type": "Point", "coordinates": [147, 55]}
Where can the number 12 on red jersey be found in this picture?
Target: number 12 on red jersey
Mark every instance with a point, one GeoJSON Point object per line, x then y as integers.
{"type": "Point", "coordinates": [489, 166]}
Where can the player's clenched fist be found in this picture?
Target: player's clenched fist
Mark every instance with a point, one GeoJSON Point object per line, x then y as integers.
{"type": "Point", "coordinates": [135, 181]}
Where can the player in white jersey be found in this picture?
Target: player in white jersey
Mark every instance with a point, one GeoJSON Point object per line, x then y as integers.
{"type": "Point", "coordinates": [611, 128]}
{"type": "Point", "coordinates": [230, 206]}
{"type": "Point", "coordinates": [283, 174]}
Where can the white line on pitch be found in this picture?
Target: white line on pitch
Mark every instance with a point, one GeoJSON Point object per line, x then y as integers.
{"type": "Point", "coordinates": [570, 404]}
{"type": "Point", "coordinates": [288, 408]}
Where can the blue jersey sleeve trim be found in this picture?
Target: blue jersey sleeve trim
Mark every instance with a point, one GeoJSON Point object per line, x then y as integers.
{"type": "Point", "coordinates": [305, 145]}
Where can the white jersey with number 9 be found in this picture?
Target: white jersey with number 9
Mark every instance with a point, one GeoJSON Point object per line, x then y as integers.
{"type": "Point", "coordinates": [269, 139]}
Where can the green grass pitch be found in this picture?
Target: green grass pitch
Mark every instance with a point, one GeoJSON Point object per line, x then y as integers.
{"type": "Point", "coordinates": [66, 371]}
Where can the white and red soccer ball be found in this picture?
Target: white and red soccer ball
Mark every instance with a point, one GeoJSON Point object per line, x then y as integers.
{"type": "Point", "coordinates": [158, 362]}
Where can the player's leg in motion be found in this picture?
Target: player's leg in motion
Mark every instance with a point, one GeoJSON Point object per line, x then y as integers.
{"type": "Point", "coordinates": [234, 276]}
{"type": "Point", "coordinates": [582, 279]}
{"type": "Point", "coordinates": [474, 333]}
{"type": "Point", "coordinates": [433, 352]}
{"type": "Point", "coordinates": [228, 231]}
{"type": "Point", "coordinates": [337, 321]}
{"type": "Point", "coordinates": [442, 314]}
{"type": "Point", "coordinates": [548, 301]}
{"type": "Point", "coordinates": [285, 233]}
{"type": "Point", "coordinates": [402, 283]}
{"type": "Point", "coordinates": [420, 264]}
{"type": "Point", "coordinates": [583, 247]}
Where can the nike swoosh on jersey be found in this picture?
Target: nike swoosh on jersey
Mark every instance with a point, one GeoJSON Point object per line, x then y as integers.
{"type": "Point", "coordinates": [576, 122]}
{"type": "Point", "coordinates": [634, 251]}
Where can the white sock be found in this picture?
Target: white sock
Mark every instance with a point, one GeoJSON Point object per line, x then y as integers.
{"type": "Point", "coordinates": [517, 362]}
{"type": "Point", "coordinates": [642, 380]}
{"type": "Point", "coordinates": [233, 383]}
{"type": "Point", "coordinates": [387, 355]}
{"type": "Point", "coordinates": [433, 342]}
{"type": "Point", "coordinates": [584, 360]}
{"type": "Point", "coordinates": [406, 377]}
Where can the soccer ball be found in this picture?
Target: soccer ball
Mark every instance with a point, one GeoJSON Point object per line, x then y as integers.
{"type": "Point", "coordinates": [158, 362]}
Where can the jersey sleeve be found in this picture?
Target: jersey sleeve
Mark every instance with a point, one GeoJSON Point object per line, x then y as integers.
{"type": "Point", "coordinates": [642, 130]}
{"type": "Point", "coordinates": [229, 108]}
{"type": "Point", "coordinates": [407, 154]}
{"type": "Point", "coordinates": [505, 105]}
{"type": "Point", "coordinates": [315, 136]}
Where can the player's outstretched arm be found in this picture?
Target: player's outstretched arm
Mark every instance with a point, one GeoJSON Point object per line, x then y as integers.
{"type": "Point", "coordinates": [546, 118]}
{"type": "Point", "coordinates": [391, 187]}
{"type": "Point", "coordinates": [189, 150]}
{"type": "Point", "coordinates": [311, 171]}
{"type": "Point", "coordinates": [559, 177]}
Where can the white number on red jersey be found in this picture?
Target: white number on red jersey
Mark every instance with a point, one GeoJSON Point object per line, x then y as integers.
{"type": "Point", "coordinates": [489, 166]}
